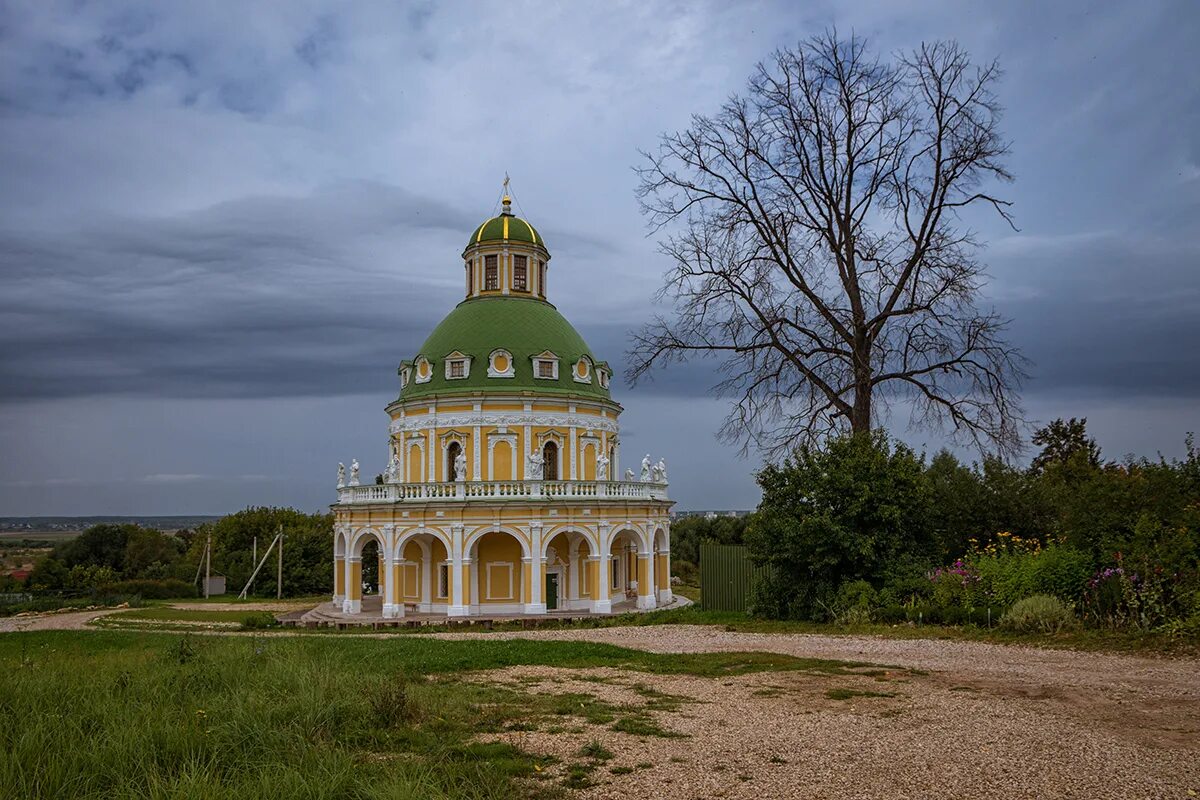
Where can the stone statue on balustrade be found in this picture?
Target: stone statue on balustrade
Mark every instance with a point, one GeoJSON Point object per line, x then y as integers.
{"type": "Point", "coordinates": [354, 472]}
{"type": "Point", "coordinates": [535, 466]}
{"type": "Point", "coordinates": [460, 467]}
{"type": "Point", "coordinates": [392, 473]}
{"type": "Point", "coordinates": [660, 471]}
{"type": "Point", "coordinates": [629, 475]}
{"type": "Point", "coordinates": [646, 468]}
{"type": "Point", "coordinates": [341, 475]}
{"type": "Point", "coordinates": [602, 468]}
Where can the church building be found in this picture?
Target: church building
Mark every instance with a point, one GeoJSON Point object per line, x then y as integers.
{"type": "Point", "coordinates": [503, 492]}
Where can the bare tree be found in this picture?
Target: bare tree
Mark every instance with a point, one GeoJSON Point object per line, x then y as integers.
{"type": "Point", "coordinates": [818, 249]}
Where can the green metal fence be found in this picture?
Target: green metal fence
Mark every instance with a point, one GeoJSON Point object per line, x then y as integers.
{"type": "Point", "coordinates": [726, 575]}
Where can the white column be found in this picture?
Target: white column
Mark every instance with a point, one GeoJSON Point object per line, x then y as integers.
{"type": "Point", "coordinates": [477, 442]}
{"type": "Point", "coordinates": [392, 604]}
{"type": "Point", "coordinates": [457, 607]}
{"type": "Point", "coordinates": [431, 475]}
{"type": "Point", "coordinates": [603, 604]}
{"type": "Point", "coordinates": [337, 537]}
{"type": "Point", "coordinates": [574, 475]}
{"type": "Point", "coordinates": [427, 577]}
{"type": "Point", "coordinates": [527, 446]}
{"type": "Point", "coordinates": [536, 604]}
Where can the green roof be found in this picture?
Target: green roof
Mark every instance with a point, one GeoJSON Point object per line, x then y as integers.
{"type": "Point", "coordinates": [493, 231]}
{"type": "Point", "coordinates": [523, 326]}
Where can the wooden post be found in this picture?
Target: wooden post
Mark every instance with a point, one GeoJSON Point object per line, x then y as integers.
{"type": "Point", "coordinates": [207, 563]}
{"type": "Point", "coordinates": [279, 569]}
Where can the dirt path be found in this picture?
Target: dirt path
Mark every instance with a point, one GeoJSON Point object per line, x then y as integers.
{"type": "Point", "coordinates": [71, 621]}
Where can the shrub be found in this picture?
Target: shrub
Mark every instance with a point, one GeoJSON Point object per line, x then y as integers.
{"type": "Point", "coordinates": [150, 590]}
{"type": "Point", "coordinates": [1041, 613]}
{"type": "Point", "coordinates": [258, 620]}
{"type": "Point", "coordinates": [390, 701]}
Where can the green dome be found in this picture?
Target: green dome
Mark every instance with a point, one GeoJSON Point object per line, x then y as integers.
{"type": "Point", "coordinates": [525, 327]}
{"type": "Point", "coordinates": [505, 228]}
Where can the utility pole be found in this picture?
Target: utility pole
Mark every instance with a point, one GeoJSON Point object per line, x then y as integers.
{"type": "Point", "coordinates": [279, 569]}
{"type": "Point", "coordinates": [207, 564]}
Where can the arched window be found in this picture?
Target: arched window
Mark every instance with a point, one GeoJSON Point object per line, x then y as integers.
{"type": "Point", "coordinates": [520, 273]}
{"type": "Point", "coordinates": [452, 451]}
{"type": "Point", "coordinates": [491, 273]}
{"type": "Point", "coordinates": [550, 461]}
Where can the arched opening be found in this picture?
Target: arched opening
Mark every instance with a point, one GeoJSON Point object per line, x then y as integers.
{"type": "Point", "coordinates": [453, 450]}
{"type": "Point", "coordinates": [550, 461]}
{"type": "Point", "coordinates": [423, 573]}
{"type": "Point", "coordinates": [567, 582]}
{"type": "Point", "coordinates": [370, 567]}
{"type": "Point", "coordinates": [498, 580]}
{"type": "Point", "coordinates": [662, 565]}
{"type": "Point", "coordinates": [629, 568]}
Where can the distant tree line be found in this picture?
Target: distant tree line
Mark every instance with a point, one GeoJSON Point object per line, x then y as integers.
{"type": "Point", "coordinates": [125, 560]}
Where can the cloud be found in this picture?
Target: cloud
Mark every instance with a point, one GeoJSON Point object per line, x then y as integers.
{"type": "Point", "coordinates": [219, 233]}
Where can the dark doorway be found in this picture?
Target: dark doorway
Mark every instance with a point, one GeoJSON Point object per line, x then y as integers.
{"type": "Point", "coordinates": [551, 591]}
{"type": "Point", "coordinates": [550, 461]}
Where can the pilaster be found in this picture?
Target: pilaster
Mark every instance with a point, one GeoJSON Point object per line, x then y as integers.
{"type": "Point", "coordinates": [457, 607]}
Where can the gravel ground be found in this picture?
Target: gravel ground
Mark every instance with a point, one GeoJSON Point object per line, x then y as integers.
{"type": "Point", "coordinates": [985, 721]}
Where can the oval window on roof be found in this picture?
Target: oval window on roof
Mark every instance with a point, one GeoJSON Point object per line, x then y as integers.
{"type": "Point", "coordinates": [500, 364]}
{"type": "Point", "coordinates": [583, 370]}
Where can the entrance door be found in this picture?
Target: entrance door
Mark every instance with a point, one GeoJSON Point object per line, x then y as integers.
{"type": "Point", "coordinates": [552, 591]}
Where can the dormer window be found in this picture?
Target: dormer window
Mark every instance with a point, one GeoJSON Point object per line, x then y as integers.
{"type": "Point", "coordinates": [491, 273]}
{"type": "Point", "coordinates": [424, 370]}
{"type": "Point", "coordinates": [545, 366]}
{"type": "Point", "coordinates": [405, 376]}
{"type": "Point", "coordinates": [500, 364]}
{"type": "Point", "coordinates": [602, 376]}
{"type": "Point", "coordinates": [583, 370]}
{"type": "Point", "coordinates": [458, 366]}
{"type": "Point", "coordinates": [520, 273]}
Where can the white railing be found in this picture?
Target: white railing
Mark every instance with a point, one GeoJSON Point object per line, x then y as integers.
{"type": "Point", "coordinates": [502, 490]}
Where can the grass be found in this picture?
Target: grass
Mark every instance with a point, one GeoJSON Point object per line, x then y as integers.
{"type": "Point", "coordinates": [119, 714]}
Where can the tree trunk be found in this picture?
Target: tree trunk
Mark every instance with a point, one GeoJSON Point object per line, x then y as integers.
{"type": "Point", "coordinates": [860, 413]}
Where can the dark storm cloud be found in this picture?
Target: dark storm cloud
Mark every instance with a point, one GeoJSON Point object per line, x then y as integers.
{"type": "Point", "coordinates": [258, 297]}
{"type": "Point", "coordinates": [254, 216]}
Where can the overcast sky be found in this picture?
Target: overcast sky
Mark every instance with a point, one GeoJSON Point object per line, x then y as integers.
{"type": "Point", "coordinates": [223, 225]}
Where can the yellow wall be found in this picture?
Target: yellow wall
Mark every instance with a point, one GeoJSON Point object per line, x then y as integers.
{"type": "Point", "coordinates": [502, 462]}
{"type": "Point", "coordinates": [587, 467]}
{"type": "Point", "coordinates": [416, 465]}
{"type": "Point", "coordinates": [661, 568]}
{"type": "Point", "coordinates": [339, 576]}
{"type": "Point", "coordinates": [491, 551]}
{"type": "Point", "coordinates": [354, 590]}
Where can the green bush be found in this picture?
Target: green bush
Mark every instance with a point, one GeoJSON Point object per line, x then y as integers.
{"type": "Point", "coordinates": [259, 620]}
{"type": "Point", "coordinates": [1041, 613]}
{"type": "Point", "coordinates": [166, 589]}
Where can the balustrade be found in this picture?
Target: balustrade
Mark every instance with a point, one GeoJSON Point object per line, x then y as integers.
{"type": "Point", "coordinates": [501, 490]}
